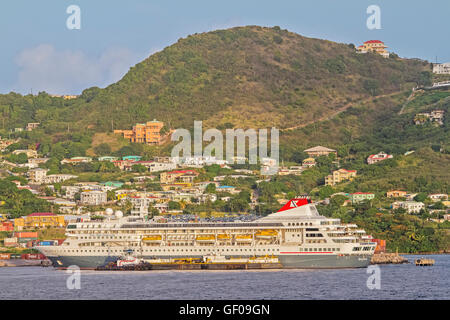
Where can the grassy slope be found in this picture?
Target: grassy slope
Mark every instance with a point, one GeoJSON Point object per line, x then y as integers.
{"type": "Point", "coordinates": [222, 75]}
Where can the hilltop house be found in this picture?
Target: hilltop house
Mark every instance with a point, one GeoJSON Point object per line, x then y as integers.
{"type": "Point", "coordinates": [375, 46]}
{"type": "Point", "coordinates": [339, 176]}
{"type": "Point", "coordinates": [374, 158]}
{"type": "Point", "coordinates": [441, 68]}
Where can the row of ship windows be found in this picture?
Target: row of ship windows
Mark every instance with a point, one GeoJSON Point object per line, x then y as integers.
{"type": "Point", "coordinates": [319, 249]}
{"type": "Point", "coordinates": [299, 224]}
{"type": "Point", "coordinates": [178, 250]}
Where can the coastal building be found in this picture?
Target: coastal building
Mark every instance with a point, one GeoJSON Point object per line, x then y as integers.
{"type": "Point", "coordinates": [76, 160]}
{"type": "Point", "coordinates": [25, 236]}
{"type": "Point", "coordinates": [57, 178]}
{"type": "Point", "coordinates": [148, 133]}
{"type": "Point", "coordinates": [114, 184]}
{"type": "Point", "coordinates": [374, 158]}
{"type": "Point", "coordinates": [152, 166]}
{"type": "Point", "coordinates": [435, 116]}
{"type": "Point", "coordinates": [132, 158]}
{"type": "Point", "coordinates": [184, 177]}
{"type": "Point", "coordinates": [339, 176]}
{"type": "Point", "coordinates": [309, 162]}
{"type": "Point", "coordinates": [32, 125]}
{"type": "Point", "coordinates": [39, 220]}
{"type": "Point", "coordinates": [435, 197]}
{"type": "Point", "coordinates": [375, 46]}
{"type": "Point", "coordinates": [396, 194]}
{"type": "Point", "coordinates": [108, 158]}
{"type": "Point", "coordinates": [409, 206]}
{"type": "Point", "coordinates": [441, 68]}
{"type": "Point", "coordinates": [229, 189]}
{"type": "Point", "coordinates": [37, 175]}
{"type": "Point", "coordinates": [6, 226]}
{"type": "Point", "coordinates": [93, 197]}
{"type": "Point", "coordinates": [37, 161]}
{"type": "Point", "coordinates": [319, 151]}
{"type": "Point", "coordinates": [361, 196]}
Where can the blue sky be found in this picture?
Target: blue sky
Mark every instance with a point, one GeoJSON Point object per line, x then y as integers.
{"type": "Point", "coordinates": [39, 53]}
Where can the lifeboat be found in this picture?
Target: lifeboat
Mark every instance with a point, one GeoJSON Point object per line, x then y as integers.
{"type": "Point", "coordinates": [152, 238]}
{"type": "Point", "coordinates": [206, 238]}
{"type": "Point", "coordinates": [266, 234]}
{"type": "Point", "coordinates": [244, 238]}
{"type": "Point", "coordinates": [223, 237]}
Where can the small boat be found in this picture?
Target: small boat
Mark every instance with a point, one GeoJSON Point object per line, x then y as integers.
{"type": "Point", "coordinates": [206, 238]}
{"type": "Point", "coordinates": [152, 238]}
{"type": "Point", "coordinates": [244, 237]}
{"type": "Point", "coordinates": [266, 234]}
{"type": "Point", "coordinates": [223, 237]}
{"type": "Point", "coordinates": [129, 261]}
{"type": "Point", "coordinates": [424, 262]}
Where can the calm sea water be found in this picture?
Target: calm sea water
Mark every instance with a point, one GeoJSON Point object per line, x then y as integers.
{"type": "Point", "coordinates": [397, 282]}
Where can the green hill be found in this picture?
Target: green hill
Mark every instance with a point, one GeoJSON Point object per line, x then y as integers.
{"type": "Point", "coordinates": [241, 77]}
{"type": "Point", "coordinates": [272, 76]}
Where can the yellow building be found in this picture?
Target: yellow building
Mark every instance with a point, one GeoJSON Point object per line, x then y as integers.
{"type": "Point", "coordinates": [181, 177]}
{"type": "Point", "coordinates": [376, 46]}
{"type": "Point", "coordinates": [148, 133]}
{"type": "Point", "coordinates": [339, 176]}
{"type": "Point", "coordinates": [39, 220]}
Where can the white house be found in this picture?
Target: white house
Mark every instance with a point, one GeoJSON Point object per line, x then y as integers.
{"type": "Point", "coordinates": [441, 68]}
{"type": "Point", "coordinates": [409, 206]}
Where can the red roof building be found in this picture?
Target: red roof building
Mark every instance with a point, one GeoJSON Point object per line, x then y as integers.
{"type": "Point", "coordinates": [374, 158]}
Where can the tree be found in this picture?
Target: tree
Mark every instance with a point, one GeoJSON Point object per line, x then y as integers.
{"type": "Point", "coordinates": [138, 168]}
{"type": "Point", "coordinates": [210, 188]}
{"type": "Point", "coordinates": [325, 192]}
{"type": "Point", "coordinates": [421, 197]}
{"type": "Point", "coordinates": [174, 205]}
{"type": "Point", "coordinates": [372, 86]}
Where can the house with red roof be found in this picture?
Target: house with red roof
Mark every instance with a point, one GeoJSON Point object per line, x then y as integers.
{"type": "Point", "coordinates": [39, 220]}
{"type": "Point", "coordinates": [184, 177]}
{"type": "Point", "coordinates": [375, 46]}
{"type": "Point", "coordinates": [374, 158]}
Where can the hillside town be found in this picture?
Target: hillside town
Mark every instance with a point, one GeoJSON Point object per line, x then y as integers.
{"type": "Point", "coordinates": [184, 189]}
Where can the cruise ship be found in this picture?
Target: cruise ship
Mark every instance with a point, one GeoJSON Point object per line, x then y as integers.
{"type": "Point", "coordinates": [297, 235]}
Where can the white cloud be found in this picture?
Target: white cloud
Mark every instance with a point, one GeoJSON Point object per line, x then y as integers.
{"type": "Point", "coordinates": [44, 68]}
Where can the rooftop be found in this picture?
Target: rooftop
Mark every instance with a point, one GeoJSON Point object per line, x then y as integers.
{"type": "Point", "coordinates": [319, 148]}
